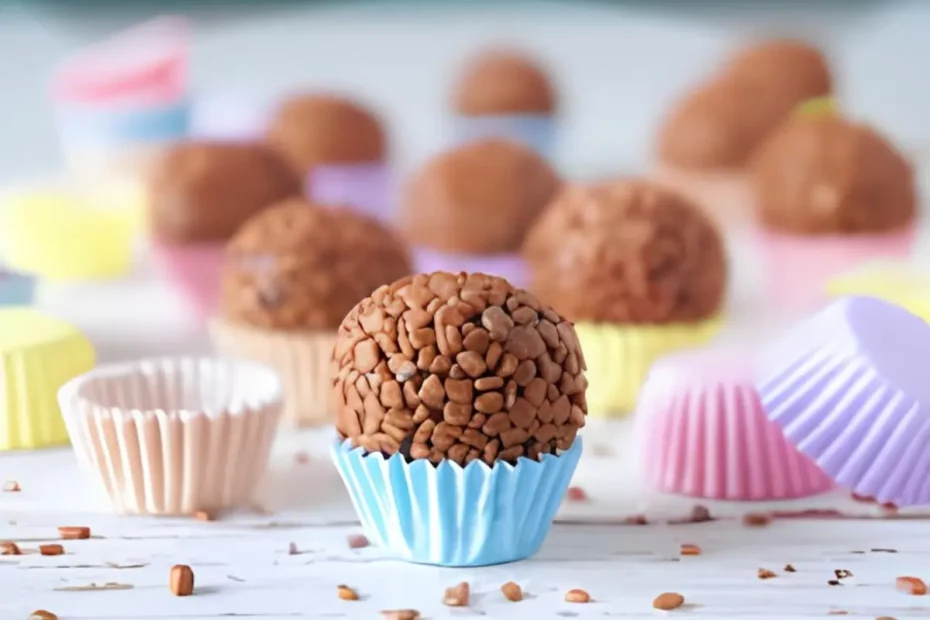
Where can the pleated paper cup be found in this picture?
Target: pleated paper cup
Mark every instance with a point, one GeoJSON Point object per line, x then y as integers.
{"type": "Point", "coordinates": [511, 267]}
{"type": "Point", "coordinates": [898, 282]}
{"type": "Point", "coordinates": [725, 196]}
{"type": "Point", "coordinates": [849, 389]}
{"type": "Point", "coordinates": [173, 436]}
{"type": "Point", "coordinates": [362, 187]}
{"type": "Point", "coordinates": [703, 433]}
{"type": "Point", "coordinates": [535, 131]}
{"type": "Point", "coordinates": [448, 515]}
{"type": "Point", "coordinates": [303, 360]}
{"type": "Point", "coordinates": [194, 271]}
{"type": "Point", "coordinates": [38, 354]}
{"type": "Point", "coordinates": [16, 289]}
{"type": "Point", "coordinates": [618, 358]}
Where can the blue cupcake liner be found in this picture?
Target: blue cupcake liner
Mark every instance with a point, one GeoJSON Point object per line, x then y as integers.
{"type": "Point", "coordinates": [537, 132]}
{"type": "Point", "coordinates": [143, 124]}
{"type": "Point", "coordinates": [16, 289]}
{"type": "Point", "coordinates": [448, 515]}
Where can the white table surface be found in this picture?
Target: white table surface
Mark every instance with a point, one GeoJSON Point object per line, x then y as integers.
{"type": "Point", "coordinates": [241, 561]}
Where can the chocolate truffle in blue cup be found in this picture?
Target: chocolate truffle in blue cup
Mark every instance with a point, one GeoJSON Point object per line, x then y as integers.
{"type": "Point", "coordinates": [507, 94]}
{"type": "Point", "coordinates": [459, 399]}
{"type": "Point", "coordinates": [339, 147]}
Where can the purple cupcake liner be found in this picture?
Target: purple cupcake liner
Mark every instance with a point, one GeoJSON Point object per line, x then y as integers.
{"type": "Point", "coordinates": [508, 266]}
{"type": "Point", "coordinates": [849, 388]}
{"type": "Point", "coordinates": [364, 187]}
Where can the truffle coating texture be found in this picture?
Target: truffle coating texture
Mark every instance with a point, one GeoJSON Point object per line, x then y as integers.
{"type": "Point", "coordinates": [481, 197]}
{"type": "Point", "coordinates": [823, 175]}
{"type": "Point", "coordinates": [203, 191]}
{"type": "Point", "coordinates": [504, 82]}
{"type": "Point", "coordinates": [310, 130]}
{"type": "Point", "coordinates": [298, 266]}
{"type": "Point", "coordinates": [794, 68]}
{"type": "Point", "coordinates": [627, 251]}
{"type": "Point", "coordinates": [459, 367]}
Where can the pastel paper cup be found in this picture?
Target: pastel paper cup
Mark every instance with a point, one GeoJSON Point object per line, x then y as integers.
{"type": "Point", "coordinates": [618, 358]}
{"type": "Point", "coordinates": [536, 131]}
{"type": "Point", "coordinates": [511, 267]}
{"type": "Point", "coordinates": [363, 187]}
{"type": "Point", "coordinates": [898, 282]}
{"type": "Point", "coordinates": [194, 271]}
{"type": "Point", "coordinates": [798, 268]}
{"type": "Point", "coordinates": [848, 387]}
{"type": "Point", "coordinates": [448, 515]}
{"type": "Point", "coordinates": [724, 196]}
{"type": "Point", "coordinates": [16, 289]}
{"type": "Point", "coordinates": [173, 436]}
{"type": "Point", "coordinates": [703, 433]}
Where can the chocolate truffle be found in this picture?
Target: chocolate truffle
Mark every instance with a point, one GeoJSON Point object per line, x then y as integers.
{"type": "Point", "coordinates": [480, 198]}
{"type": "Point", "coordinates": [797, 70]}
{"type": "Point", "coordinates": [298, 266]}
{"type": "Point", "coordinates": [627, 251]}
{"type": "Point", "coordinates": [717, 125]}
{"type": "Point", "coordinates": [503, 82]}
{"type": "Point", "coordinates": [824, 174]}
{"type": "Point", "coordinates": [460, 367]}
{"type": "Point", "coordinates": [203, 191]}
{"type": "Point", "coordinates": [322, 129]}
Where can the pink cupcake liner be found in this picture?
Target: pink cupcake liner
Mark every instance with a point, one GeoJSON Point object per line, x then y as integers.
{"type": "Point", "coordinates": [849, 389]}
{"type": "Point", "coordinates": [194, 270]}
{"type": "Point", "coordinates": [725, 196]}
{"type": "Point", "coordinates": [145, 64]}
{"type": "Point", "coordinates": [363, 187]}
{"type": "Point", "coordinates": [798, 268]}
{"type": "Point", "coordinates": [704, 434]}
{"type": "Point", "coordinates": [508, 266]}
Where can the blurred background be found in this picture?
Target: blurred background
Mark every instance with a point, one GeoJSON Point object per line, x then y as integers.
{"type": "Point", "coordinates": [617, 63]}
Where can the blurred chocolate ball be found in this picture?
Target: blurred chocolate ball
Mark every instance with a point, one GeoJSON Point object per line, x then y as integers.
{"type": "Point", "coordinates": [481, 197]}
{"type": "Point", "coordinates": [504, 82]}
{"type": "Point", "coordinates": [792, 68]}
{"type": "Point", "coordinates": [298, 266]}
{"type": "Point", "coordinates": [203, 191]}
{"type": "Point", "coordinates": [824, 174]}
{"type": "Point", "coordinates": [311, 130]}
{"type": "Point", "coordinates": [459, 367]}
{"type": "Point", "coordinates": [627, 251]}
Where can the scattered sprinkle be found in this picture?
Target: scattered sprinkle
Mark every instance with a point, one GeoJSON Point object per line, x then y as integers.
{"type": "Point", "coordinates": [9, 548]}
{"type": "Point", "coordinates": [700, 514]}
{"type": "Point", "coordinates": [512, 591]}
{"type": "Point", "coordinates": [668, 601]}
{"type": "Point", "coordinates": [690, 550]}
{"type": "Point", "coordinates": [346, 593]}
{"type": "Point", "coordinates": [577, 596]}
{"type": "Point", "coordinates": [765, 573]}
{"type": "Point", "coordinates": [41, 614]}
{"type": "Point", "coordinates": [93, 587]}
{"type": "Point", "coordinates": [842, 573]}
{"type": "Point", "coordinates": [358, 541]}
{"type": "Point", "coordinates": [301, 458]}
{"type": "Point", "coordinates": [576, 494]}
{"type": "Point", "coordinates": [234, 578]}
{"type": "Point", "coordinates": [457, 596]}
{"type": "Point", "coordinates": [69, 532]}
{"type": "Point", "coordinates": [880, 550]}
{"type": "Point", "coordinates": [636, 520]}
{"type": "Point", "coordinates": [911, 585]}
{"type": "Point", "coordinates": [292, 549]}
{"type": "Point", "coordinates": [400, 614]}
{"type": "Point", "coordinates": [837, 612]}
{"type": "Point", "coordinates": [53, 549]}
{"type": "Point", "coordinates": [756, 520]}
{"type": "Point", "coordinates": [790, 569]}
{"type": "Point", "coordinates": [834, 582]}
{"type": "Point", "coordinates": [203, 515]}
{"type": "Point", "coordinates": [11, 486]}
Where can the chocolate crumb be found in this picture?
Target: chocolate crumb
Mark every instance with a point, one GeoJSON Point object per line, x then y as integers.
{"type": "Point", "coordinates": [837, 612]}
{"type": "Point", "coordinates": [834, 582]}
{"type": "Point", "coordinates": [358, 541]}
{"type": "Point", "coordinates": [765, 573]}
{"type": "Point", "coordinates": [576, 494]}
{"type": "Point", "coordinates": [756, 520]}
{"type": "Point", "coordinates": [292, 549]}
{"type": "Point", "coordinates": [842, 573]}
{"type": "Point", "coordinates": [457, 596]}
{"type": "Point", "coordinates": [11, 486]}
{"type": "Point", "coordinates": [400, 614]}
{"type": "Point", "coordinates": [880, 550]}
{"type": "Point", "coordinates": [636, 520]}
{"type": "Point", "coordinates": [790, 569]}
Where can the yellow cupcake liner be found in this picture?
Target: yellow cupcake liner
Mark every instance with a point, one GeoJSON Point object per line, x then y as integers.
{"type": "Point", "coordinates": [68, 234]}
{"type": "Point", "coordinates": [618, 358]}
{"type": "Point", "coordinates": [899, 283]}
{"type": "Point", "coordinates": [38, 354]}
{"type": "Point", "coordinates": [303, 360]}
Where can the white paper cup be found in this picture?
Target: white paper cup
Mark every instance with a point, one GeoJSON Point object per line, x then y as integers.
{"type": "Point", "coordinates": [172, 436]}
